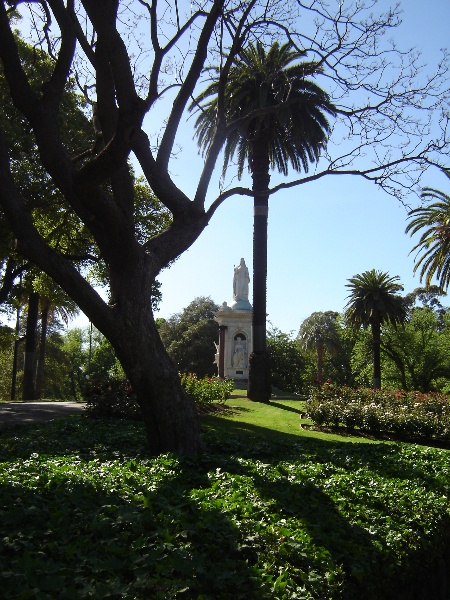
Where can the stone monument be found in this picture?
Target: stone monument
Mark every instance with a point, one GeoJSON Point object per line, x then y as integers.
{"type": "Point", "coordinates": [235, 329]}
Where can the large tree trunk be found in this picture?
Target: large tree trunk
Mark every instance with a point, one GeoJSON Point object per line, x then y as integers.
{"type": "Point", "coordinates": [100, 191]}
{"type": "Point", "coordinates": [29, 392]}
{"type": "Point", "coordinates": [169, 413]}
{"type": "Point", "coordinates": [376, 345]}
{"type": "Point", "coordinates": [259, 379]}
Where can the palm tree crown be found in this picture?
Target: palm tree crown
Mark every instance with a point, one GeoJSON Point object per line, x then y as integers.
{"type": "Point", "coordinates": [268, 100]}
{"type": "Point", "coordinates": [374, 296]}
{"type": "Point", "coordinates": [434, 221]}
{"type": "Point", "coordinates": [320, 332]}
{"type": "Point", "coordinates": [374, 300]}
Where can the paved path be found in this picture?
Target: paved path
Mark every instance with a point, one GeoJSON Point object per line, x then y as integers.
{"type": "Point", "coordinates": [13, 413]}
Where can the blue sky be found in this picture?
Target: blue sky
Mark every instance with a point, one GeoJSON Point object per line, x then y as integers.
{"type": "Point", "coordinates": [320, 234]}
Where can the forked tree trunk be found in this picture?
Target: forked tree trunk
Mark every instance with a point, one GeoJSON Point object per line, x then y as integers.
{"type": "Point", "coordinates": [259, 378]}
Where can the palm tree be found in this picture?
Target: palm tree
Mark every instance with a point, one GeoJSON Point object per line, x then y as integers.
{"type": "Point", "coordinates": [54, 304]}
{"type": "Point", "coordinates": [374, 300]}
{"type": "Point", "coordinates": [275, 115]}
{"type": "Point", "coordinates": [319, 332]}
{"type": "Point", "coordinates": [60, 306]}
{"type": "Point", "coordinates": [434, 242]}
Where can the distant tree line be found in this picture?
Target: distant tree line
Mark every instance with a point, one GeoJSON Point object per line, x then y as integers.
{"type": "Point", "coordinates": [414, 355]}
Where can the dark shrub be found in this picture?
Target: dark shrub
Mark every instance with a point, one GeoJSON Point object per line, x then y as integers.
{"type": "Point", "coordinates": [111, 398]}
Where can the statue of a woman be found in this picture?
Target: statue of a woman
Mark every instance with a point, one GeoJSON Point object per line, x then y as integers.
{"type": "Point", "coordinates": [240, 281]}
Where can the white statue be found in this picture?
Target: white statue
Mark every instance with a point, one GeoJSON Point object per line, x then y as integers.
{"type": "Point", "coordinates": [216, 355]}
{"type": "Point", "coordinates": [239, 357]}
{"type": "Point", "coordinates": [240, 281]}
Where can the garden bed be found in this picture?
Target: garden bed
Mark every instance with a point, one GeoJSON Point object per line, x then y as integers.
{"type": "Point", "coordinates": [411, 416]}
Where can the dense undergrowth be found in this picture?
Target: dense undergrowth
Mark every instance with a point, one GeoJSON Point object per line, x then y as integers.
{"type": "Point", "coordinates": [113, 397]}
{"type": "Point", "coordinates": [86, 513]}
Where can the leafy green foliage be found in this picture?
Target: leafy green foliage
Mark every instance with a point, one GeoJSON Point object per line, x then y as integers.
{"type": "Point", "coordinates": [382, 411]}
{"type": "Point", "coordinates": [418, 352]}
{"type": "Point", "coordinates": [362, 359]}
{"type": "Point", "coordinates": [207, 390]}
{"type": "Point", "coordinates": [189, 337]}
{"type": "Point", "coordinates": [287, 362]}
{"type": "Point", "coordinates": [85, 513]}
{"type": "Point", "coordinates": [320, 331]}
{"type": "Point", "coordinates": [6, 359]}
{"type": "Point", "coordinates": [259, 82]}
{"type": "Point", "coordinates": [113, 397]}
{"type": "Point", "coordinates": [59, 226]}
{"type": "Point", "coordinates": [374, 299]}
{"type": "Point", "coordinates": [103, 362]}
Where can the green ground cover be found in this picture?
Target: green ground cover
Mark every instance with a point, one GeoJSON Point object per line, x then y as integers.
{"type": "Point", "coordinates": [269, 511]}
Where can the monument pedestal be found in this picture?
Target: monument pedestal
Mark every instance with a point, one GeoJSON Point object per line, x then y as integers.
{"type": "Point", "coordinates": [235, 342]}
{"type": "Point", "coordinates": [235, 330]}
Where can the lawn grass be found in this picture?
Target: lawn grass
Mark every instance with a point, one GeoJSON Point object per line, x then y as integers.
{"type": "Point", "coordinates": [270, 420]}
{"type": "Point", "coordinates": [268, 511]}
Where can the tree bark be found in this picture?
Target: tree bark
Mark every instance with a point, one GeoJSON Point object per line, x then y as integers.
{"type": "Point", "coordinates": [29, 392]}
{"type": "Point", "coordinates": [259, 377]}
{"type": "Point", "coordinates": [169, 413]}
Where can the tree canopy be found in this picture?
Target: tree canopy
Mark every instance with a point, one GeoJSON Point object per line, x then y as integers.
{"type": "Point", "coordinates": [320, 331]}
{"type": "Point", "coordinates": [189, 337]}
{"type": "Point", "coordinates": [374, 300]}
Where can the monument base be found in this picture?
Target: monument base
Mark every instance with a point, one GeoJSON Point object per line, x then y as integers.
{"type": "Point", "coordinates": [235, 330]}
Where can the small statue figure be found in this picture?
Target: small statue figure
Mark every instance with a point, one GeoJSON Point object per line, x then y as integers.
{"type": "Point", "coordinates": [241, 280]}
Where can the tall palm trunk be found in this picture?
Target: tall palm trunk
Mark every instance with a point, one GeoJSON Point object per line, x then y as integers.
{"type": "Point", "coordinates": [376, 346]}
{"type": "Point", "coordinates": [42, 349]}
{"type": "Point", "coordinates": [29, 392]}
{"type": "Point", "coordinates": [259, 381]}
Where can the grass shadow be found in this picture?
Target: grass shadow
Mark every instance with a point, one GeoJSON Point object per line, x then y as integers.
{"type": "Point", "coordinates": [288, 408]}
